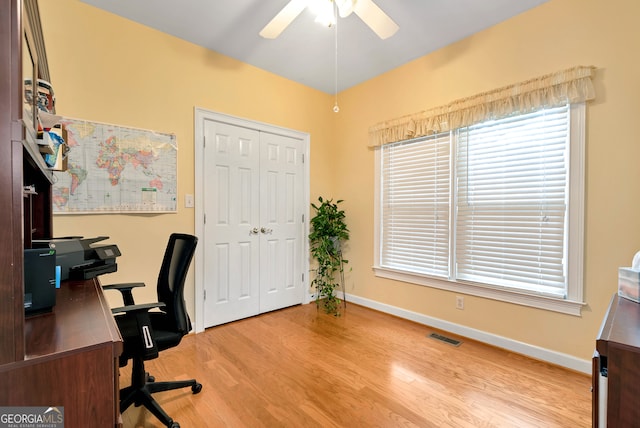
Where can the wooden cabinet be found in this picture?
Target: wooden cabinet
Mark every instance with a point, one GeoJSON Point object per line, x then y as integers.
{"type": "Point", "coordinates": [616, 397]}
{"type": "Point", "coordinates": [71, 359]}
{"type": "Point", "coordinates": [23, 56]}
{"type": "Point", "coordinates": [11, 325]}
{"type": "Point", "coordinates": [68, 357]}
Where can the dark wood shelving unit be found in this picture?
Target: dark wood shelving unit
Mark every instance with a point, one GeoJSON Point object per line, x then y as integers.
{"type": "Point", "coordinates": [50, 359]}
{"type": "Point", "coordinates": [25, 216]}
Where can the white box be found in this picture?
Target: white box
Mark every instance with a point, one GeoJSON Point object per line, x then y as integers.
{"type": "Point", "coordinates": [629, 284]}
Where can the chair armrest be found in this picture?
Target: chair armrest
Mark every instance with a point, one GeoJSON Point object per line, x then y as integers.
{"type": "Point", "coordinates": [125, 289]}
{"type": "Point", "coordinates": [137, 316]}
{"type": "Point", "coordinates": [143, 307]}
{"type": "Point", "coordinates": [123, 285]}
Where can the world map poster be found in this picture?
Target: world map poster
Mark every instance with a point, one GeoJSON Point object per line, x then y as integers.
{"type": "Point", "coordinates": [113, 169]}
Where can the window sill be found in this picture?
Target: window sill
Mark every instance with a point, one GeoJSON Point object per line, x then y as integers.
{"type": "Point", "coordinates": [481, 290]}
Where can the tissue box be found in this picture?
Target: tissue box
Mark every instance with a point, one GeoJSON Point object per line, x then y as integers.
{"type": "Point", "coordinates": [629, 284]}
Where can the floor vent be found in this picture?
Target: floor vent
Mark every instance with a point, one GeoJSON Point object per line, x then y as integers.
{"type": "Point", "coordinates": [445, 339]}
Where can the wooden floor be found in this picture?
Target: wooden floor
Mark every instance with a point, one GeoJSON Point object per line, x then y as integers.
{"type": "Point", "coordinates": [299, 367]}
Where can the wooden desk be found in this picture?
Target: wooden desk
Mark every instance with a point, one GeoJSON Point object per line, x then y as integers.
{"type": "Point", "coordinates": [618, 351]}
{"type": "Point", "coordinates": [71, 359]}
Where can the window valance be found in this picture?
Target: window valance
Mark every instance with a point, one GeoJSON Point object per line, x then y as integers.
{"type": "Point", "coordinates": [552, 90]}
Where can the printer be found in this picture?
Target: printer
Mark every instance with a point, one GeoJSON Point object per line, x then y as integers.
{"type": "Point", "coordinates": [39, 280]}
{"type": "Point", "coordinates": [79, 258]}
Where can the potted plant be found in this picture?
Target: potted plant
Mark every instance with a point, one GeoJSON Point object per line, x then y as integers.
{"type": "Point", "coordinates": [328, 232]}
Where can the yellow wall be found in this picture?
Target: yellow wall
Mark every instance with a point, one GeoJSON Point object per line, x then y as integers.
{"type": "Point", "coordinates": [552, 37]}
{"type": "Point", "coordinates": [108, 69]}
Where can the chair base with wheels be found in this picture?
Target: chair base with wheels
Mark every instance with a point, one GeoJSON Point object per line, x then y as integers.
{"type": "Point", "coordinates": [149, 328]}
{"type": "Point", "coordinates": [143, 385]}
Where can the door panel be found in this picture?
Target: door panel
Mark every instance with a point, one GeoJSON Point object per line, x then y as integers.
{"type": "Point", "coordinates": [254, 230]}
{"type": "Point", "coordinates": [281, 197]}
{"type": "Point", "coordinates": [232, 207]}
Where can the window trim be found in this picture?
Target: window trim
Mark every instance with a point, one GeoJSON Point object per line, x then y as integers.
{"type": "Point", "coordinates": [573, 303]}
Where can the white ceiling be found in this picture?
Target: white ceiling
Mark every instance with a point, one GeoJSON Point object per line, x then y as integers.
{"type": "Point", "coordinates": [305, 51]}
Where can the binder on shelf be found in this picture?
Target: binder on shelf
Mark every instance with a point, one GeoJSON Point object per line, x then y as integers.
{"type": "Point", "coordinates": [46, 144]}
{"type": "Point", "coordinates": [57, 160]}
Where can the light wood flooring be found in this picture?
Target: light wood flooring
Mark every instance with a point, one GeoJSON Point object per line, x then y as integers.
{"type": "Point", "coordinates": [299, 367]}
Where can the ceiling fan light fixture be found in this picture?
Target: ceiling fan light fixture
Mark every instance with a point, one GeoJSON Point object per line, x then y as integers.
{"type": "Point", "coordinates": [345, 7]}
{"type": "Point", "coordinates": [326, 13]}
{"type": "Point", "coordinates": [323, 9]}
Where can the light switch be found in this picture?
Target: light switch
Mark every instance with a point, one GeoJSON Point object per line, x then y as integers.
{"type": "Point", "coordinates": [188, 201]}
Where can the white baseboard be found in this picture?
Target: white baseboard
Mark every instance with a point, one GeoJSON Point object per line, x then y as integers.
{"type": "Point", "coordinates": [532, 351]}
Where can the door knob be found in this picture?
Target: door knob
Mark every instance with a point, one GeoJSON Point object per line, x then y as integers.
{"type": "Point", "coordinates": [254, 231]}
{"type": "Point", "coordinates": [265, 230]}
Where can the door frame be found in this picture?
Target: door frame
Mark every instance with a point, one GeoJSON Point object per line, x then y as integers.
{"type": "Point", "coordinates": [200, 116]}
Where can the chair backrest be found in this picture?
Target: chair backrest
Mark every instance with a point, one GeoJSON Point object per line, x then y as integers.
{"type": "Point", "coordinates": [173, 272]}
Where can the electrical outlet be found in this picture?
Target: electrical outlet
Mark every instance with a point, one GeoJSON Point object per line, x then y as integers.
{"type": "Point", "coordinates": [459, 302]}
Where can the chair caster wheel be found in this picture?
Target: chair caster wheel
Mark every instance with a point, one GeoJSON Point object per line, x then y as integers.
{"type": "Point", "coordinates": [151, 379]}
{"type": "Point", "coordinates": [196, 388]}
{"type": "Point", "coordinates": [174, 425]}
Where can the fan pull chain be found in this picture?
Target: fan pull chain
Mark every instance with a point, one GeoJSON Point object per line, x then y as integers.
{"type": "Point", "coordinates": [336, 109]}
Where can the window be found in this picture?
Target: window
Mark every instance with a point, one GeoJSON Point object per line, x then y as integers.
{"type": "Point", "coordinates": [492, 209]}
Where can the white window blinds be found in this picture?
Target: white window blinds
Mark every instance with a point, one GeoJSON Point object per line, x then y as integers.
{"type": "Point", "coordinates": [415, 205]}
{"type": "Point", "coordinates": [512, 202]}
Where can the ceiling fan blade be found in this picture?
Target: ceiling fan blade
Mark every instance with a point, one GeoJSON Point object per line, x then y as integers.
{"type": "Point", "coordinates": [283, 19]}
{"type": "Point", "coordinates": [375, 18]}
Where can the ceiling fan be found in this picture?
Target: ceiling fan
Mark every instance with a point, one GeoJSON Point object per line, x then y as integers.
{"type": "Point", "coordinates": [367, 10]}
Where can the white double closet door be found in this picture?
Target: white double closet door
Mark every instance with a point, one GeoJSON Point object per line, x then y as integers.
{"type": "Point", "coordinates": [254, 204]}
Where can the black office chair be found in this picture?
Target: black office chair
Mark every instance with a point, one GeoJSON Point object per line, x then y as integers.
{"type": "Point", "coordinates": [146, 332]}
